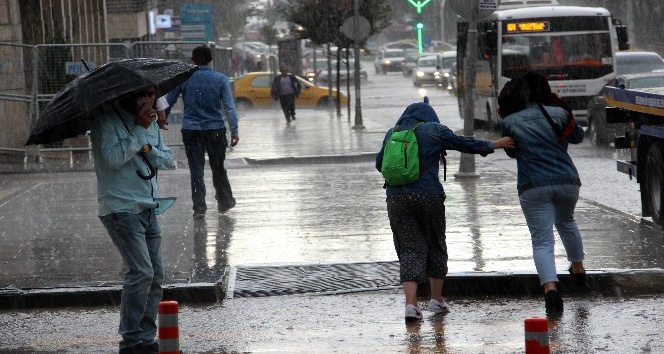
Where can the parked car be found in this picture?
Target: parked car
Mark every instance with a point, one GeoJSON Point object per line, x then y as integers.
{"type": "Point", "coordinates": [426, 71]}
{"type": "Point", "coordinates": [324, 74]}
{"type": "Point", "coordinates": [634, 70]}
{"type": "Point", "coordinates": [638, 62]}
{"type": "Point", "coordinates": [253, 90]}
{"type": "Point", "coordinates": [389, 60]}
{"type": "Point", "coordinates": [445, 62]}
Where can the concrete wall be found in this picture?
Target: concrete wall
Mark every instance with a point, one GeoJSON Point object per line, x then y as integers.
{"type": "Point", "coordinates": [13, 114]}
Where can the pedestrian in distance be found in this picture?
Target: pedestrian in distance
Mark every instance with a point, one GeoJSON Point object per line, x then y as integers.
{"type": "Point", "coordinates": [123, 135]}
{"type": "Point", "coordinates": [204, 129]}
{"type": "Point", "coordinates": [286, 88]}
{"type": "Point", "coordinates": [547, 180]}
{"type": "Point", "coordinates": [416, 210]}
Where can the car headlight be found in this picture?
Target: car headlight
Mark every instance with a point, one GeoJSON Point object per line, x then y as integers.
{"type": "Point", "coordinates": [387, 62]}
{"type": "Point", "coordinates": [446, 74]}
{"type": "Point", "coordinates": [420, 74]}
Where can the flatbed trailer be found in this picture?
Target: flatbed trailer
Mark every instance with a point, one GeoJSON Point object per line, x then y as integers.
{"type": "Point", "coordinates": [642, 114]}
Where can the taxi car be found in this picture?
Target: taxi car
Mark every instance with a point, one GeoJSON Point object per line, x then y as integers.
{"type": "Point", "coordinates": [253, 90]}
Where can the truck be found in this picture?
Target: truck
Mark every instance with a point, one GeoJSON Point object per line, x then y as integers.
{"type": "Point", "coordinates": [641, 113]}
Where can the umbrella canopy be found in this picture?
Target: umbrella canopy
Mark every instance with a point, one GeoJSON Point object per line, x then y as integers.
{"type": "Point", "coordinates": [69, 113]}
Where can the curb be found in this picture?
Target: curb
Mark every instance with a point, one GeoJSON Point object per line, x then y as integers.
{"type": "Point", "coordinates": [599, 282]}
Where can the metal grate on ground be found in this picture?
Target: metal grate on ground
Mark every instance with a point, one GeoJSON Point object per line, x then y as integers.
{"type": "Point", "coordinates": [308, 279]}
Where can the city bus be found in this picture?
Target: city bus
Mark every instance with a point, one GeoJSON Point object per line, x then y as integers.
{"type": "Point", "coordinates": [572, 46]}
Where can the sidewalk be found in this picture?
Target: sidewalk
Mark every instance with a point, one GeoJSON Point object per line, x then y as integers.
{"type": "Point", "coordinates": [310, 219]}
{"type": "Point", "coordinates": [305, 260]}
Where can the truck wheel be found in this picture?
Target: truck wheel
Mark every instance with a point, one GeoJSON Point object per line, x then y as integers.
{"type": "Point", "coordinates": [654, 181]}
{"type": "Point", "coordinates": [596, 127]}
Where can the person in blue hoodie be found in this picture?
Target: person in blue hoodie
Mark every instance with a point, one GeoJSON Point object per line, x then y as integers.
{"type": "Point", "coordinates": [417, 210]}
{"type": "Point", "coordinates": [547, 181]}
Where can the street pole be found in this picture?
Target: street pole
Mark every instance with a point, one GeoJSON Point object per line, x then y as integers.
{"type": "Point", "coordinates": [356, 52]}
{"type": "Point", "coordinates": [467, 161]}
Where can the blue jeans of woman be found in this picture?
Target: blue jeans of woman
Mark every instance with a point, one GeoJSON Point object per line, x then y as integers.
{"type": "Point", "coordinates": [196, 144]}
{"type": "Point", "coordinates": [543, 208]}
{"type": "Point", "coordinates": [138, 238]}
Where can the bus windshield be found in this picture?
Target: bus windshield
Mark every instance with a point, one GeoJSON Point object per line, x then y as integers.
{"type": "Point", "coordinates": [558, 56]}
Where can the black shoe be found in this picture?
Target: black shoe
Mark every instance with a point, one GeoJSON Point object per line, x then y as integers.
{"type": "Point", "coordinates": [223, 209]}
{"type": "Point", "coordinates": [553, 302]}
{"type": "Point", "coordinates": [293, 116]}
{"type": "Point", "coordinates": [136, 349]}
{"type": "Point", "coordinates": [580, 281]}
{"type": "Point", "coordinates": [199, 213]}
{"type": "Point", "coordinates": [152, 348]}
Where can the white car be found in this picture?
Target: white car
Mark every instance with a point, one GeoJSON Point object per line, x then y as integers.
{"type": "Point", "coordinates": [445, 62]}
{"type": "Point", "coordinates": [426, 71]}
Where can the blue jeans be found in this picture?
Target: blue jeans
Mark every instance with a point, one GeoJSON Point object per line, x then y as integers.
{"type": "Point", "coordinates": [196, 144]}
{"type": "Point", "coordinates": [543, 208]}
{"type": "Point", "coordinates": [138, 238]}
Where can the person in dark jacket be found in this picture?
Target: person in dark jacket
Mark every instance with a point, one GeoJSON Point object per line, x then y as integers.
{"type": "Point", "coordinates": [547, 180]}
{"type": "Point", "coordinates": [417, 211]}
{"type": "Point", "coordinates": [286, 88]}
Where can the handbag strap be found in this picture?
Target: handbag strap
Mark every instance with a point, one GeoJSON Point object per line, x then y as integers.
{"type": "Point", "coordinates": [548, 118]}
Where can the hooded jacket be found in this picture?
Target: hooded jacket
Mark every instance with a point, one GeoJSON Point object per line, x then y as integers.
{"type": "Point", "coordinates": [433, 139]}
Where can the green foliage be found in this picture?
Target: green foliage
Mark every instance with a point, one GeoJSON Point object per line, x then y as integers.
{"type": "Point", "coordinates": [321, 19]}
{"type": "Point", "coordinates": [231, 17]}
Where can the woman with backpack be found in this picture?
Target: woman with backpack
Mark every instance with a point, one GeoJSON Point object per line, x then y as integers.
{"type": "Point", "coordinates": [416, 210]}
{"type": "Point", "coordinates": [547, 180]}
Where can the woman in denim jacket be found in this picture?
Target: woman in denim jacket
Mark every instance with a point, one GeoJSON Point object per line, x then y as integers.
{"type": "Point", "coordinates": [547, 180]}
{"type": "Point", "coordinates": [417, 210]}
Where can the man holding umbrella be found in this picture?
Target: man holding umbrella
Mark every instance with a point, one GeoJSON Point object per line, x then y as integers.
{"type": "Point", "coordinates": [116, 103]}
{"type": "Point", "coordinates": [121, 137]}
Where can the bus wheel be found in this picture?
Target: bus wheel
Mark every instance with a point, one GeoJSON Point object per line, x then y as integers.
{"type": "Point", "coordinates": [654, 180]}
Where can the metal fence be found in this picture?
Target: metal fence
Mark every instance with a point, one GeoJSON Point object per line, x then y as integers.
{"type": "Point", "coordinates": [30, 75]}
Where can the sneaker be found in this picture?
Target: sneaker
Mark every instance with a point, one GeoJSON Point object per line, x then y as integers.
{"type": "Point", "coordinates": [553, 302]}
{"type": "Point", "coordinates": [413, 313]}
{"type": "Point", "coordinates": [438, 306]}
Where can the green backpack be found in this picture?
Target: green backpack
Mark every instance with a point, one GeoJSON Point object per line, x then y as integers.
{"type": "Point", "coordinates": [401, 161]}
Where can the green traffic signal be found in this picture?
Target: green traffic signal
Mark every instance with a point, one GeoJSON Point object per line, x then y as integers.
{"type": "Point", "coordinates": [420, 25]}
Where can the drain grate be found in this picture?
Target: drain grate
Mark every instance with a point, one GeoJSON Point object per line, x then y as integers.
{"type": "Point", "coordinates": [318, 278]}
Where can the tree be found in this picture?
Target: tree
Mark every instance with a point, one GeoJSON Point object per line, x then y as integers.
{"type": "Point", "coordinates": [231, 17]}
{"type": "Point", "coordinates": [321, 19]}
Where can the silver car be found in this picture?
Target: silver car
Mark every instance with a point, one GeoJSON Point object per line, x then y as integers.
{"type": "Point", "coordinates": [426, 71]}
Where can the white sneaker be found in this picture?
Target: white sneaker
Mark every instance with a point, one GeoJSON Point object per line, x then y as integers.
{"type": "Point", "coordinates": [438, 306]}
{"type": "Point", "coordinates": [413, 313]}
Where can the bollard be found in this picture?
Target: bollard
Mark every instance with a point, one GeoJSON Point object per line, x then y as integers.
{"type": "Point", "coordinates": [537, 335]}
{"type": "Point", "coordinates": [169, 333]}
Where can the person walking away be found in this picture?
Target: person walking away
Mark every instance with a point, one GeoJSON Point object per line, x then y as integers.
{"type": "Point", "coordinates": [121, 136]}
{"type": "Point", "coordinates": [547, 180]}
{"type": "Point", "coordinates": [417, 210]}
{"type": "Point", "coordinates": [286, 88]}
{"type": "Point", "coordinates": [204, 129]}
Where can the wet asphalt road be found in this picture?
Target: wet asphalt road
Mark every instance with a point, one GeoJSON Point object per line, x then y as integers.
{"type": "Point", "coordinates": [290, 214]}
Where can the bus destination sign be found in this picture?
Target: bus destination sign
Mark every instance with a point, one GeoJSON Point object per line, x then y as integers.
{"type": "Point", "coordinates": [525, 27]}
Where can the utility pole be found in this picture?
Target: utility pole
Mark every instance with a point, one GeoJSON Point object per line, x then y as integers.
{"type": "Point", "coordinates": [467, 161]}
{"type": "Point", "coordinates": [356, 53]}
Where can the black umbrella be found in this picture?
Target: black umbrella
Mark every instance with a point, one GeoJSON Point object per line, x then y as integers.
{"type": "Point", "coordinates": [69, 113]}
